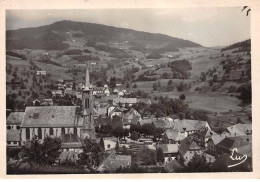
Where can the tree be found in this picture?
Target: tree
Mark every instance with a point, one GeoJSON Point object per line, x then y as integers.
{"type": "Point", "coordinates": [198, 163]}
{"type": "Point", "coordinates": [119, 132]}
{"type": "Point", "coordinates": [148, 129]}
{"type": "Point", "coordinates": [51, 149]}
{"type": "Point", "coordinates": [158, 132]}
{"type": "Point", "coordinates": [127, 85]}
{"type": "Point", "coordinates": [135, 127]}
{"type": "Point", "coordinates": [182, 97]}
{"type": "Point", "coordinates": [112, 82]}
{"type": "Point", "coordinates": [203, 76]}
{"type": "Point", "coordinates": [102, 145]}
{"type": "Point", "coordinates": [126, 133]}
{"type": "Point", "coordinates": [155, 86]}
{"type": "Point", "coordinates": [91, 156]}
{"type": "Point", "coordinates": [160, 156]}
{"type": "Point", "coordinates": [106, 129]}
{"type": "Point", "coordinates": [134, 135]}
{"type": "Point", "coordinates": [33, 150]}
{"type": "Point", "coordinates": [45, 153]}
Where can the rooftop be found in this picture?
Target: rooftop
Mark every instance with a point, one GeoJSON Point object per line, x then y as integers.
{"type": "Point", "coordinates": [15, 118]}
{"type": "Point", "coordinates": [51, 116]}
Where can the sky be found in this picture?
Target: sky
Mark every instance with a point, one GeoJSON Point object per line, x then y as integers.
{"type": "Point", "coordinates": [207, 26]}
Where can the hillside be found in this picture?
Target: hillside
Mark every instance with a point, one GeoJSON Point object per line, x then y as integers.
{"type": "Point", "coordinates": [52, 37]}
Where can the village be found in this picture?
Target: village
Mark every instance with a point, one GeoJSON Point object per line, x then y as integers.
{"type": "Point", "coordinates": [125, 140]}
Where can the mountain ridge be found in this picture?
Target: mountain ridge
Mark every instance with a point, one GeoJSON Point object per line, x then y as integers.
{"type": "Point", "coordinates": [93, 31]}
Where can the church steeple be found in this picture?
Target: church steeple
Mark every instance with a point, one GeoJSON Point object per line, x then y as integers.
{"type": "Point", "coordinates": [87, 84]}
{"type": "Point", "coordinates": [88, 129]}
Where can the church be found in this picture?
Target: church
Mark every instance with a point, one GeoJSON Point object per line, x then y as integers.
{"type": "Point", "coordinates": [70, 123]}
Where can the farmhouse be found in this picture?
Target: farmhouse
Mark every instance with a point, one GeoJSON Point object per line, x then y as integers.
{"type": "Point", "coordinates": [13, 123]}
{"type": "Point", "coordinates": [56, 93]}
{"type": "Point", "coordinates": [170, 151]}
{"type": "Point", "coordinates": [240, 129]}
{"type": "Point", "coordinates": [189, 126]}
{"type": "Point", "coordinates": [172, 137]}
{"type": "Point", "coordinates": [188, 148]}
{"type": "Point", "coordinates": [101, 91]}
{"type": "Point", "coordinates": [124, 101]}
{"type": "Point", "coordinates": [114, 162]}
{"type": "Point", "coordinates": [41, 72]}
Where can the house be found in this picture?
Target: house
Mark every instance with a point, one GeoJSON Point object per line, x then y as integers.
{"type": "Point", "coordinates": [14, 120]}
{"type": "Point", "coordinates": [56, 93]}
{"type": "Point", "coordinates": [124, 101]}
{"type": "Point", "coordinates": [13, 132]}
{"type": "Point", "coordinates": [188, 148]}
{"type": "Point", "coordinates": [68, 156]}
{"type": "Point", "coordinates": [47, 102]}
{"type": "Point", "coordinates": [71, 142]}
{"type": "Point", "coordinates": [114, 162]}
{"type": "Point", "coordinates": [120, 93]}
{"type": "Point", "coordinates": [172, 137]}
{"type": "Point", "coordinates": [110, 143]}
{"type": "Point", "coordinates": [227, 145]}
{"type": "Point", "coordinates": [41, 72]}
{"type": "Point", "coordinates": [170, 151]}
{"type": "Point", "coordinates": [173, 166]}
{"type": "Point", "coordinates": [13, 138]}
{"type": "Point", "coordinates": [145, 121]}
{"type": "Point", "coordinates": [240, 129]}
{"type": "Point", "coordinates": [61, 86]}
{"type": "Point", "coordinates": [60, 80]}
{"type": "Point", "coordinates": [36, 102]}
{"type": "Point", "coordinates": [188, 127]}
{"type": "Point", "coordinates": [144, 100]}
{"type": "Point", "coordinates": [213, 140]}
{"type": "Point", "coordinates": [203, 136]}
{"type": "Point", "coordinates": [165, 123]}
{"type": "Point", "coordinates": [117, 111]}
{"type": "Point", "coordinates": [100, 91]}
{"type": "Point", "coordinates": [130, 117]}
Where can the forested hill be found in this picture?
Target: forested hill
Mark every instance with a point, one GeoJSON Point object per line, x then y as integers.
{"type": "Point", "coordinates": [52, 37]}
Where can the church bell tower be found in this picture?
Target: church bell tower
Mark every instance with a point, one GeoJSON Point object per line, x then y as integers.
{"type": "Point", "coordinates": [88, 129]}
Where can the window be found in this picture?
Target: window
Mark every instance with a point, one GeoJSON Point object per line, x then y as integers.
{"type": "Point", "coordinates": [9, 127]}
{"type": "Point", "coordinates": [18, 127]}
{"type": "Point", "coordinates": [15, 143]}
{"type": "Point", "coordinates": [36, 115]}
{"type": "Point", "coordinates": [39, 133]}
{"type": "Point", "coordinates": [75, 131]}
{"type": "Point", "coordinates": [51, 131]}
{"type": "Point", "coordinates": [27, 133]}
{"type": "Point", "coordinates": [62, 130]}
{"type": "Point", "coordinates": [87, 102]}
{"type": "Point", "coordinates": [9, 143]}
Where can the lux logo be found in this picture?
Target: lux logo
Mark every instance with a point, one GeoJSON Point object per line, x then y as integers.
{"type": "Point", "coordinates": [235, 157]}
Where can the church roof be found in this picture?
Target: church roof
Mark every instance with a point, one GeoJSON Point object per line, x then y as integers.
{"type": "Point", "coordinates": [51, 116]}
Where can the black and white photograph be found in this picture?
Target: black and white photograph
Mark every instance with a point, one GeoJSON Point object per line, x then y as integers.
{"type": "Point", "coordinates": [118, 91]}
